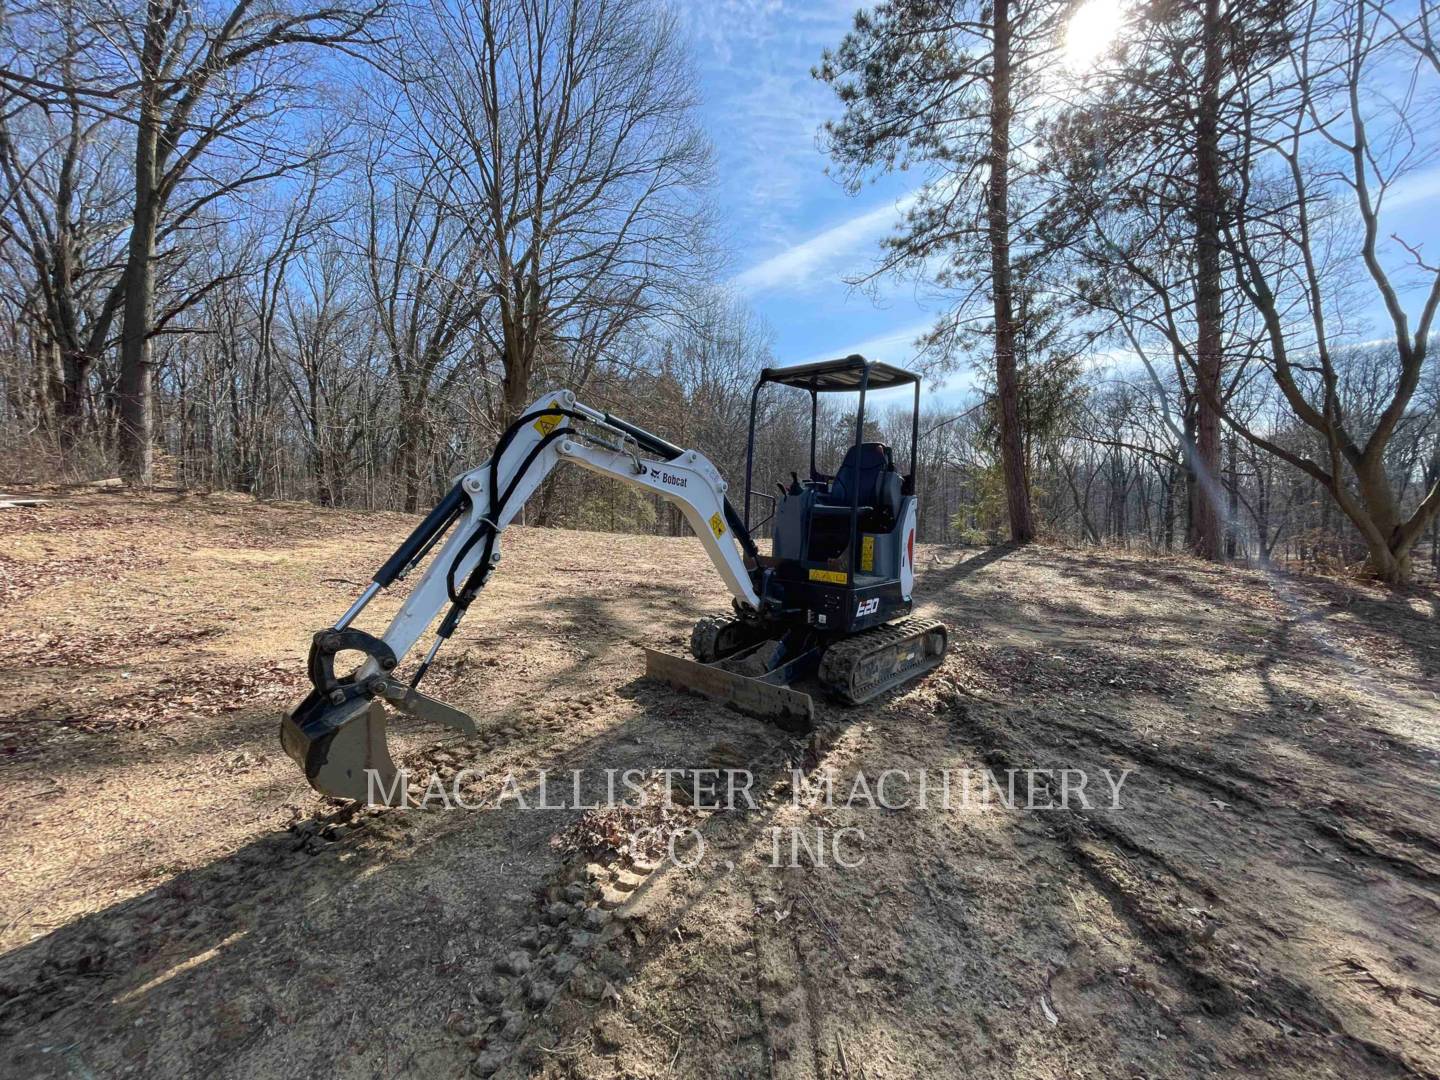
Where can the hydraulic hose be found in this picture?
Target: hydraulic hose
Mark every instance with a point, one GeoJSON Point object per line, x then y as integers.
{"type": "Point", "coordinates": [488, 526]}
{"type": "Point", "coordinates": [490, 519]}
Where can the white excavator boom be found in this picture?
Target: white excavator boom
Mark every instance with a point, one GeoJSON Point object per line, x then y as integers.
{"type": "Point", "coordinates": [338, 733]}
{"type": "Point", "coordinates": [690, 481]}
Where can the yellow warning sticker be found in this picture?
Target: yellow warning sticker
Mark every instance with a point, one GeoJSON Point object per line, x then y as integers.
{"type": "Point", "coordinates": [717, 525]}
{"type": "Point", "coordinates": [550, 421]}
{"type": "Point", "coordinates": [867, 553]}
{"type": "Point", "coordinates": [835, 577]}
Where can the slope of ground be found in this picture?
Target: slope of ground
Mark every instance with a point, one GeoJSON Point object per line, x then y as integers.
{"type": "Point", "coordinates": [176, 901]}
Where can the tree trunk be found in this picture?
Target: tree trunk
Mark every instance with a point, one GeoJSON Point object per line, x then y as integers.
{"type": "Point", "coordinates": [1172, 478]}
{"type": "Point", "coordinates": [1192, 481]}
{"type": "Point", "coordinates": [133, 394]}
{"type": "Point", "coordinates": [1012, 449]}
{"type": "Point", "coordinates": [1232, 491]}
{"type": "Point", "coordinates": [51, 391]}
{"type": "Point", "coordinates": [1389, 543]}
{"type": "Point", "coordinates": [516, 381]}
{"type": "Point", "coordinates": [75, 373]}
{"type": "Point", "coordinates": [1387, 564]}
{"type": "Point", "coordinates": [409, 461]}
{"type": "Point", "coordinates": [1208, 313]}
{"type": "Point", "coordinates": [1265, 484]}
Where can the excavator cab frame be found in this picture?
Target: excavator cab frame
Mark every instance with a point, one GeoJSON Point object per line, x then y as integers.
{"type": "Point", "coordinates": [846, 564]}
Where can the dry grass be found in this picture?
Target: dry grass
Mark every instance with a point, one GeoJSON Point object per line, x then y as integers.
{"type": "Point", "coordinates": [176, 901]}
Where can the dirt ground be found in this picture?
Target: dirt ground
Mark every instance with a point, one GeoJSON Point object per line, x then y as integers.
{"type": "Point", "coordinates": [175, 901]}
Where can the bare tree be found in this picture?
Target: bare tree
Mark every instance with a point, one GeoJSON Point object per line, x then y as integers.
{"type": "Point", "coordinates": [1334, 138]}
{"type": "Point", "coordinates": [62, 213]}
{"type": "Point", "coordinates": [422, 271]}
{"type": "Point", "coordinates": [575, 159]}
{"type": "Point", "coordinates": [326, 341]}
{"type": "Point", "coordinates": [196, 86]}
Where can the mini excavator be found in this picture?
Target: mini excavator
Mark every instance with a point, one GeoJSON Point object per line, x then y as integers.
{"type": "Point", "coordinates": [831, 602]}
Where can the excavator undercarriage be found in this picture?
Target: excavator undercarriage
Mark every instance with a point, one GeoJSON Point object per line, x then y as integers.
{"type": "Point", "coordinates": [733, 667]}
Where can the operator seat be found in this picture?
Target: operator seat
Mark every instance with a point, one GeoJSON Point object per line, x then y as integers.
{"type": "Point", "coordinates": [879, 487]}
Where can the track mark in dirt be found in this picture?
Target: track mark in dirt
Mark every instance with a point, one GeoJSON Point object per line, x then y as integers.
{"type": "Point", "coordinates": [558, 991]}
{"type": "Point", "coordinates": [570, 948]}
{"type": "Point", "coordinates": [1170, 763]}
{"type": "Point", "coordinates": [654, 912]}
{"type": "Point", "coordinates": [785, 994]}
{"type": "Point", "coordinates": [1363, 842]}
{"type": "Point", "coordinates": [789, 997]}
{"type": "Point", "coordinates": [1215, 977]}
{"type": "Point", "coordinates": [1384, 822]}
{"type": "Point", "coordinates": [1373, 848]}
{"type": "Point", "coordinates": [1355, 971]}
{"type": "Point", "coordinates": [1111, 871]}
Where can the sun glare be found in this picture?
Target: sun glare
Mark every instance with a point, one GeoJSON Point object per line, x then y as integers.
{"type": "Point", "coordinates": [1089, 33]}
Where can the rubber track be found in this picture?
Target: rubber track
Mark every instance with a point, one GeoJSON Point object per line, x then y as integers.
{"type": "Point", "coordinates": [705, 635]}
{"type": "Point", "coordinates": [839, 664]}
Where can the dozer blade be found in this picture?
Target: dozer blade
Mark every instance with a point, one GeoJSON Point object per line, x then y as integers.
{"type": "Point", "coordinates": [790, 709]}
{"type": "Point", "coordinates": [341, 748]}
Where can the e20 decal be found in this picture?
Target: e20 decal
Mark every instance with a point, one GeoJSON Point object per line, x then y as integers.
{"type": "Point", "coordinates": [867, 607]}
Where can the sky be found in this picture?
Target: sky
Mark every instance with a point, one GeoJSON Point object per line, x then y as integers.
{"type": "Point", "coordinates": [795, 234]}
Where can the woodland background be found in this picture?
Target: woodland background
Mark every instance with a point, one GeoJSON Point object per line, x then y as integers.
{"type": "Point", "coordinates": [328, 252]}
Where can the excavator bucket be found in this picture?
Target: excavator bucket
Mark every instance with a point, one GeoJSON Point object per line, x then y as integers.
{"type": "Point", "coordinates": [340, 743]}
{"type": "Point", "coordinates": [341, 748]}
{"type": "Point", "coordinates": [760, 697]}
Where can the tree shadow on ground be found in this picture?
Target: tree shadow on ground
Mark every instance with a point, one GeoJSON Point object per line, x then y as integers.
{"type": "Point", "coordinates": [945, 579]}
{"type": "Point", "coordinates": [342, 946]}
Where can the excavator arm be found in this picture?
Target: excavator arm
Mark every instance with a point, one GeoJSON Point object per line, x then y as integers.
{"type": "Point", "coordinates": [337, 734]}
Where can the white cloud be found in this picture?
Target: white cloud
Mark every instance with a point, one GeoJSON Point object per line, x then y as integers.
{"type": "Point", "coordinates": [893, 347]}
{"type": "Point", "coordinates": [826, 258]}
{"type": "Point", "coordinates": [1417, 187]}
{"type": "Point", "coordinates": [763, 108]}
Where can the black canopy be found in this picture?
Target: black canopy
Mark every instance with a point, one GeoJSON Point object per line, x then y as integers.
{"type": "Point", "coordinates": [829, 376]}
